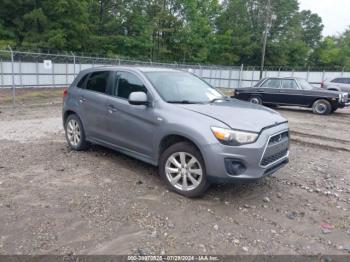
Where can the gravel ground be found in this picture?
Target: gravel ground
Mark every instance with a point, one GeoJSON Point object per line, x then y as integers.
{"type": "Point", "coordinates": [56, 201]}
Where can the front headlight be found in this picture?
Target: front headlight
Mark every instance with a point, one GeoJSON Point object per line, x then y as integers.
{"type": "Point", "coordinates": [234, 137]}
{"type": "Point", "coordinates": [345, 97]}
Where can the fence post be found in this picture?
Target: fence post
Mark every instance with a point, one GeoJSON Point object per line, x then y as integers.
{"type": "Point", "coordinates": [200, 70]}
{"type": "Point", "coordinates": [220, 76]}
{"type": "Point", "coordinates": [240, 76]}
{"type": "Point", "coordinates": [2, 72]}
{"type": "Point", "coordinates": [20, 74]}
{"type": "Point", "coordinates": [53, 74]}
{"type": "Point", "coordinates": [210, 75]}
{"type": "Point", "coordinates": [13, 77]}
{"type": "Point", "coordinates": [37, 73]}
{"type": "Point", "coordinates": [279, 72]}
{"type": "Point", "coordinates": [230, 78]}
{"type": "Point", "coordinates": [253, 73]}
{"type": "Point", "coordinates": [73, 63]}
{"type": "Point", "coordinates": [66, 73]}
{"type": "Point", "coordinates": [323, 75]}
{"type": "Point", "coordinates": [342, 71]}
{"type": "Point", "coordinates": [308, 74]}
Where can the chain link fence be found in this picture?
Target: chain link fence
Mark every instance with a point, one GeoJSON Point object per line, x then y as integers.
{"type": "Point", "coordinates": [33, 76]}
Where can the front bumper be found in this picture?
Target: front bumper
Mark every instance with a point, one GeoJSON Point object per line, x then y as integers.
{"type": "Point", "coordinates": [259, 159]}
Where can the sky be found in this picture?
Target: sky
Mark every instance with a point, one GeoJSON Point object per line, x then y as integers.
{"type": "Point", "coordinates": [335, 14]}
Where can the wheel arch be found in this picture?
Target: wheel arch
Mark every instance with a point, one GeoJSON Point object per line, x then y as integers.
{"type": "Point", "coordinates": [67, 113]}
{"type": "Point", "coordinates": [174, 138]}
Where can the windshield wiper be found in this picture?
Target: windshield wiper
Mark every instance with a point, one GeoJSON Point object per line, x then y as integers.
{"type": "Point", "coordinates": [183, 102]}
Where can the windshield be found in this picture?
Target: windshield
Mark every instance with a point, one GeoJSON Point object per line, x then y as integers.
{"type": "Point", "coordinates": [182, 87]}
{"type": "Point", "coordinates": [305, 84]}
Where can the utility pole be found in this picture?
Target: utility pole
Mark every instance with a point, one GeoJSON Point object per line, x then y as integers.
{"type": "Point", "coordinates": [268, 23]}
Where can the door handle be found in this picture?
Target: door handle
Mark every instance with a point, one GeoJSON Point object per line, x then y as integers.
{"type": "Point", "coordinates": [82, 100]}
{"type": "Point", "coordinates": [112, 109]}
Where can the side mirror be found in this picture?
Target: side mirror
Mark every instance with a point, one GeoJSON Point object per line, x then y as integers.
{"type": "Point", "coordinates": [138, 98]}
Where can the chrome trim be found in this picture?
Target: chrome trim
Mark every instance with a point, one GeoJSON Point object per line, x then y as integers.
{"type": "Point", "coordinates": [267, 143]}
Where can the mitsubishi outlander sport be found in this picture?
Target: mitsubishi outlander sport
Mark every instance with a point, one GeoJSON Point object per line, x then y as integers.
{"type": "Point", "coordinates": [176, 121]}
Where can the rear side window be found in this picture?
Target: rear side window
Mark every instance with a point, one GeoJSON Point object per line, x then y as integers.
{"type": "Point", "coordinates": [337, 80]}
{"type": "Point", "coordinates": [289, 84]}
{"type": "Point", "coordinates": [126, 83]}
{"type": "Point", "coordinates": [98, 82]}
{"type": "Point", "coordinates": [81, 83]}
{"type": "Point", "coordinates": [341, 80]}
{"type": "Point", "coordinates": [272, 83]}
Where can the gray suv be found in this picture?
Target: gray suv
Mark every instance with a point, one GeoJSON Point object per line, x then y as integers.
{"type": "Point", "coordinates": [176, 121]}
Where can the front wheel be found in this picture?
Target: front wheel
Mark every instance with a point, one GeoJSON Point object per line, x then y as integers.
{"type": "Point", "coordinates": [322, 107]}
{"type": "Point", "coordinates": [255, 100]}
{"type": "Point", "coordinates": [182, 169]}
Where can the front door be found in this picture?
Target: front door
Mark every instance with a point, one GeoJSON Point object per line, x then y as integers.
{"type": "Point", "coordinates": [129, 126]}
{"type": "Point", "coordinates": [291, 94]}
{"type": "Point", "coordinates": [269, 90]}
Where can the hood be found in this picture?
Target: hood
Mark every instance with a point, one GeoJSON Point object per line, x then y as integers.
{"type": "Point", "coordinates": [326, 92]}
{"type": "Point", "coordinates": [239, 115]}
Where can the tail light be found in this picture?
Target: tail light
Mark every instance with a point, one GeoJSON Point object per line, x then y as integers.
{"type": "Point", "coordinates": [65, 93]}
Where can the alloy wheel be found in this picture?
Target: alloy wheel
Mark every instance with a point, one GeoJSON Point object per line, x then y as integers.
{"type": "Point", "coordinates": [183, 171]}
{"type": "Point", "coordinates": [73, 132]}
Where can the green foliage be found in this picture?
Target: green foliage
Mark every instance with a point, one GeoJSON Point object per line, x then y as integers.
{"type": "Point", "coordinates": [228, 32]}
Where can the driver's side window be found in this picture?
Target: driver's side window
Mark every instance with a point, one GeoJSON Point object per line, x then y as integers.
{"type": "Point", "coordinates": [271, 83]}
{"type": "Point", "coordinates": [126, 83]}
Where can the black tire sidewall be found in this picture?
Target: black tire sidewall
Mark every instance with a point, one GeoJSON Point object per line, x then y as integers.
{"type": "Point", "coordinates": [188, 148]}
{"type": "Point", "coordinates": [256, 97]}
{"type": "Point", "coordinates": [83, 143]}
{"type": "Point", "coordinates": [326, 103]}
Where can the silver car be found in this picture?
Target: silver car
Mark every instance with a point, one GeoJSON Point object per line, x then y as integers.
{"type": "Point", "coordinates": [176, 121]}
{"type": "Point", "coordinates": [341, 84]}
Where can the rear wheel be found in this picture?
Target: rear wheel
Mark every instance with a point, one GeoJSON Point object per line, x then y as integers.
{"type": "Point", "coordinates": [182, 169]}
{"type": "Point", "coordinates": [322, 107]}
{"type": "Point", "coordinates": [255, 100]}
{"type": "Point", "coordinates": [75, 134]}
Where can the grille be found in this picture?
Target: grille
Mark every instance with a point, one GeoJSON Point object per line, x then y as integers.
{"type": "Point", "coordinates": [276, 149]}
{"type": "Point", "coordinates": [268, 160]}
{"type": "Point", "coordinates": [278, 138]}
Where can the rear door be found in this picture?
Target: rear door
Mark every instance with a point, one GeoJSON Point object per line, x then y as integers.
{"type": "Point", "coordinates": [92, 100]}
{"type": "Point", "coordinates": [129, 126]}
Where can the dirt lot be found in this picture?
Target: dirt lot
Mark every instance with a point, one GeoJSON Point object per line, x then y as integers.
{"type": "Point", "coordinates": [56, 201]}
{"type": "Point", "coordinates": [25, 96]}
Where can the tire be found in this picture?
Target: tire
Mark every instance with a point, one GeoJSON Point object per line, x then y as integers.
{"type": "Point", "coordinates": [75, 134]}
{"type": "Point", "coordinates": [322, 107]}
{"type": "Point", "coordinates": [255, 100]}
{"type": "Point", "coordinates": [172, 167]}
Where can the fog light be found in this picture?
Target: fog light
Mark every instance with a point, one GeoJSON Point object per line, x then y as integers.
{"type": "Point", "coordinates": [234, 167]}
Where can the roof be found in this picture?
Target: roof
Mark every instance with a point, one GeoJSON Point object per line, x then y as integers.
{"type": "Point", "coordinates": [143, 69]}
